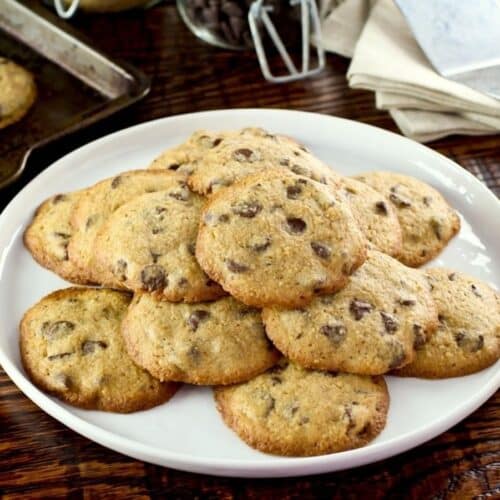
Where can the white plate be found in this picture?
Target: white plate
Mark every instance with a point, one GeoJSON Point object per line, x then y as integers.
{"type": "Point", "coordinates": [187, 433]}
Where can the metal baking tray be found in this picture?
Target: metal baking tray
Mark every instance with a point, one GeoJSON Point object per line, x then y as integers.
{"type": "Point", "coordinates": [77, 84]}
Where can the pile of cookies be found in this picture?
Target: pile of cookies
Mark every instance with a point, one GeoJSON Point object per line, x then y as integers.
{"type": "Point", "coordinates": [239, 260]}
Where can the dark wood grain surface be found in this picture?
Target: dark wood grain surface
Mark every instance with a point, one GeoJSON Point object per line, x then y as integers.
{"type": "Point", "coordinates": [40, 458]}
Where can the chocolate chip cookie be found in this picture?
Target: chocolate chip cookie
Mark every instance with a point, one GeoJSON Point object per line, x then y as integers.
{"type": "Point", "coordinates": [185, 157]}
{"type": "Point", "coordinates": [71, 347]}
{"type": "Point", "coordinates": [468, 335]}
{"type": "Point", "coordinates": [427, 221]}
{"type": "Point", "coordinates": [277, 238]}
{"type": "Point", "coordinates": [375, 216]}
{"type": "Point", "coordinates": [219, 342]}
{"type": "Point", "coordinates": [239, 156]}
{"type": "Point", "coordinates": [97, 203]}
{"type": "Point", "coordinates": [48, 235]}
{"type": "Point", "coordinates": [17, 92]}
{"type": "Point", "coordinates": [148, 244]}
{"type": "Point", "coordinates": [297, 412]}
{"type": "Point", "coordinates": [369, 327]}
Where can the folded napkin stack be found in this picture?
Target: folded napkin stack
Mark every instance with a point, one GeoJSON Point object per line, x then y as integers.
{"type": "Point", "coordinates": [387, 60]}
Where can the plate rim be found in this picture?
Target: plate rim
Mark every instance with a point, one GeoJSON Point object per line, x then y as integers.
{"type": "Point", "coordinates": [273, 466]}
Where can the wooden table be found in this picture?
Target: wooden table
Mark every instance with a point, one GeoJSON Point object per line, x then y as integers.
{"type": "Point", "coordinates": [42, 458]}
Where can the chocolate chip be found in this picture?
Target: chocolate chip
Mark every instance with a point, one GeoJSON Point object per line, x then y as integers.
{"type": "Point", "coordinates": [211, 282]}
{"type": "Point", "coordinates": [57, 330]}
{"type": "Point", "coordinates": [390, 322]}
{"type": "Point", "coordinates": [441, 318]}
{"type": "Point", "coordinates": [293, 192]}
{"type": "Point", "coordinates": [196, 317]}
{"type": "Point", "coordinates": [427, 201]}
{"type": "Point", "coordinates": [452, 276]}
{"type": "Point", "coordinates": [398, 357]}
{"type": "Point", "coordinates": [359, 308]}
{"type": "Point", "coordinates": [299, 170]}
{"type": "Point", "coordinates": [247, 209]}
{"type": "Point", "coordinates": [63, 381]}
{"type": "Point", "coordinates": [216, 142]}
{"type": "Point", "coordinates": [475, 291]}
{"type": "Point", "coordinates": [173, 166]}
{"type": "Point", "coordinates": [244, 311]}
{"type": "Point", "coordinates": [468, 342]}
{"type": "Point", "coordinates": [90, 346]}
{"type": "Point", "coordinates": [437, 228]}
{"type": "Point", "coordinates": [321, 250]}
{"type": "Point", "coordinates": [365, 431]}
{"type": "Point", "coordinates": [407, 302]}
{"type": "Point", "coordinates": [91, 221]}
{"type": "Point", "coordinates": [64, 236]}
{"type": "Point", "coordinates": [291, 409]}
{"type": "Point", "coordinates": [58, 198]}
{"type": "Point", "coordinates": [120, 269]}
{"type": "Point", "coordinates": [154, 256]}
{"type": "Point", "coordinates": [62, 355]}
{"type": "Point", "coordinates": [381, 208]}
{"type": "Point", "coordinates": [399, 201]}
{"type": "Point", "coordinates": [183, 282]}
{"type": "Point", "coordinates": [270, 404]}
{"type": "Point", "coordinates": [244, 154]}
{"type": "Point", "coordinates": [335, 333]}
{"type": "Point", "coordinates": [236, 267]}
{"type": "Point", "coordinates": [261, 245]}
{"type": "Point", "coordinates": [116, 182]}
{"type": "Point", "coordinates": [191, 248]}
{"type": "Point", "coordinates": [275, 379]}
{"type": "Point", "coordinates": [295, 225]}
{"type": "Point", "coordinates": [419, 338]}
{"type": "Point", "coordinates": [153, 278]}
{"type": "Point", "coordinates": [284, 162]}
{"type": "Point", "coordinates": [224, 218]}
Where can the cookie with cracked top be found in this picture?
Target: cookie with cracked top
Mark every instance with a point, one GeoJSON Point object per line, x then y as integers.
{"type": "Point", "coordinates": [427, 220]}
{"type": "Point", "coordinates": [49, 233]}
{"type": "Point", "coordinates": [97, 203]}
{"type": "Point", "coordinates": [185, 157]}
{"type": "Point", "coordinates": [467, 339]}
{"type": "Point", "coordinates": [276, 238]}
{"type": "Point", "coordinates": [221, 342]}
{"type": "Point", "coordinates": [375, 216]}
{"type": "Point", "coordinates": [148, 244]}
{"type": "Point", "coordinates": [369, 327]}
{"type": "Point", "coordinates": [71, 347]}
{"type": "Point", "coordinates": [240, 156]}
{"type": "Point", "coordinates": [297, 412]}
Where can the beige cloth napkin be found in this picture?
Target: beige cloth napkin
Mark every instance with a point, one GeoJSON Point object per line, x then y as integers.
{"type": "Point", "coordinates": [387, 59]}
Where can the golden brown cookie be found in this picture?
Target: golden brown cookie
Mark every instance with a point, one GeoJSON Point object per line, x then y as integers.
{"type": "Point", "coordinates": [17, 92]}
{"type": "Point", "coordinates": [297, 412]}
{"type": "Point", "coordinates": [71, 347]}
{"type": "Point", "coordinates": [210, 343]}
{"type": "Point", "coordinates": [48, 235]}
{"type": "Point", "coordinates": [276, 238]}
{"type": "Point", "coordinates": [369, 327]}
{"type": "Point", "coordinates": [468, 336]}
{"type": "Point", "coordinates": [375, 216]}
{"type": "Point", "coordinates": [148, 244]}
{"type": "Point", "coordinates": [427, 221]}
{"type": "Point", "coordinates": [97, 203]}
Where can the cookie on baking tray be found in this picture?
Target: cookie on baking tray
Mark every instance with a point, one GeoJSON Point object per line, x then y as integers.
{"type": "Point", "coordinates": [71, 346]}
{"type": "Point", "coordinates": [148, 244]}
{"type": "Point", "coordinates": [276, 238]}
{"type": "Point", "coordinates": [467, 339]}
{"type": "Point", "coordinates": [48, 235]}
{"type": "Point", "coordinates": [427, 221]}
{"type": "Point", "coordinates": [97, 203]}
{"type": "Point", "coordinates": [209, 343]}
{"type": "Point", "coordinates": [369, 327]}
{"type": "Point", "coordinates": [17, 92]}
{"type": "Point", "coordinates": [293, 411]}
